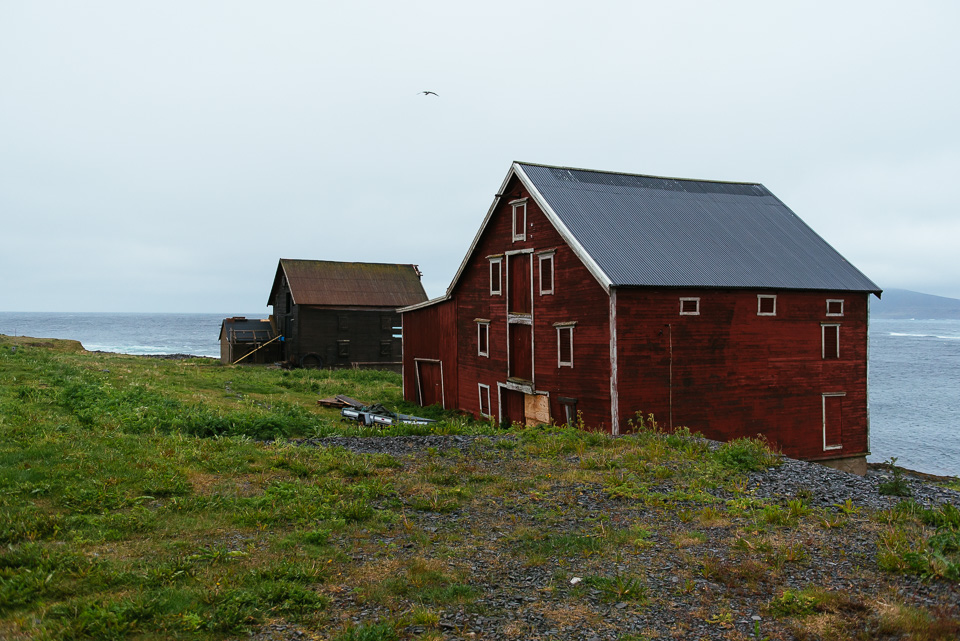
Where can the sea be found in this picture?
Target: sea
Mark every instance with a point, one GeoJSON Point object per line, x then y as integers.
{"type": "Point", "coordinates": [914, 366]}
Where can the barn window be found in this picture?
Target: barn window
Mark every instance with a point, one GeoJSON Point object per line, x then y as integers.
{"type": "Point", "coordinates": [496, 275]}
{"type": "Point", "coordinates": [386, 348]}
{"type": "Point", "coordinates": [831, 340]}
{"type": "Point", "coordinates": [546, 272]}
{"type": "Point", "coordinates": [483, 337]}
{"type": "Point", "coordinates": [565, 344]}
{"type": "Point", "coordinates": [343, 322]}
{"type": "Point", "coordinates": [689, 306]}
{"type": "Point", "coordinates": [834, 308]}
{"type": "Point", "coordinates": [289, 301]}
{"type": "Point", "coordinates": [569, 408]}
{"type": "Point", "coordinates": [519, 219]}
{"type": "Point", "coordinates": [833, 421]}
{"type": "Point", "coordinates": [766, 305]}
{"type": "Point", "coordinates": [343, 349]}
{"type": "Point", "coordinates": [484, 399]}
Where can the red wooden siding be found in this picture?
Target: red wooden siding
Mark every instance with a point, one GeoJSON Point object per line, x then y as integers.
{"type": "Point", "coordinates": [429, 335]}
{"type": "Point", "coordinates": [578, 297]}
{"type": "Point", "coordinates": [730, 372]}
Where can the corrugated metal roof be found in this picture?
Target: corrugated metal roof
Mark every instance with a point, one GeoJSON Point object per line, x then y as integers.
{"type": "Point", "coordinates": [337, 284]}
{"type": "Point", "coordinates": [651, 231]}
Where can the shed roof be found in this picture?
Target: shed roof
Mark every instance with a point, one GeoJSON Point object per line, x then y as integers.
{"type": "Point", "coordinates": [668, 232]}
{"type": "Point", "coordinates": [240, 329]}
{"type": "Point", "coordinates": [336, 284]}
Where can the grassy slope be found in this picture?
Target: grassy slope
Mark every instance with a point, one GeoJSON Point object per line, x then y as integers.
{"type": "Point", "coordinates": [140, 499]}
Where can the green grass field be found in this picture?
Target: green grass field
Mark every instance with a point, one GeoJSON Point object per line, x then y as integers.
{"type": "Point", "coordinates": [151, 499]}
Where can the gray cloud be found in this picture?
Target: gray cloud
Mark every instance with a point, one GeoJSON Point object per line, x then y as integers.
{"type": "Point", "coordinates": [162, 157]}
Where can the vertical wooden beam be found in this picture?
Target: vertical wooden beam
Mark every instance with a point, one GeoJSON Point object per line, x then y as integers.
{"type": "Point", "coordinates": [614, 398]}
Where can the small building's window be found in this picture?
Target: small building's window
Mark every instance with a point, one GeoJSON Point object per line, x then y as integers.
{"type": "Point", "coordinates": [343, 322]}
{"type": "Point", "coordinates": [289, 301]}
{"type": "Point", "coordinates": [484, 399]}
{"type": "Point", "coordinates": [519, 219]}
{"type": "Point", "coordinates": [483, 337]}
{"type": "Point", "coordinates": [831, 340]}
{"type": "Point", "coordinates": [496, 275]}
{"type": "Point", "coordinates": [386, 348]}
{"type": "Point", "coordinates": [689, 306]}
{"type": "Point", "coordinates": [834, 308]}
{"type": "Point", "coordinates": [386, 322]}
{"type": "Point", "coordinates": [766, 305]}
{"type": "Point", "coordinates": [343, 349]}
{"type": "Point", "coordinates": [546, 272]}
{"type": "Point", "coordinates": [569, 409]}
{"type": "Point", "coordinates": [565, 344]}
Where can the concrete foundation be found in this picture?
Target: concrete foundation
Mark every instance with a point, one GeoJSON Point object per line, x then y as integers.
{"type": "Point", "coordinates": [853, 465]}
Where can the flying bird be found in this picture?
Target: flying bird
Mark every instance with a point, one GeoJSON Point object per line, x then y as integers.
{"type": "Point", "coordinates": [429, 93]}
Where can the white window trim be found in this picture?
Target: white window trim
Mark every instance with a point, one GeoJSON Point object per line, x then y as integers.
{"type": "Point", "coordinates": [823, 340]}
{"type": "Point", "coordinates": [484, 390]}
{"type": "Point", "coordinates": [760, 298]}
{"type": "Point", "coordinates": [516, 205]}
{"type": "Point", "coordinates": [823, 398]}
{"type": "Point", "coordinates": [498, 261]}
{"type": "Point", "coordinates": [553, 283]}
{"type": "Point", "coordinates": [688, 300]}
{"type": "Point", "coordinates": [483, 329]}
{"type": "Point", "coordinates": [560, 329]}
{"type": "Point", "coordinates": [835, 300]}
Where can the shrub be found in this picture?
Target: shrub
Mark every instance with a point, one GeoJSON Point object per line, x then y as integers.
{"type": "Point", "coordinates": [746, 454]}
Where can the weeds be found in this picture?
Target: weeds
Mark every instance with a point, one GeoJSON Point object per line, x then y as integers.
{"type": "Point", "coordinates": [898, 485]}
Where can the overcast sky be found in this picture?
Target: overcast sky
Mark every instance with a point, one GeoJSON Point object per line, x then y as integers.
{"type": "Point", "coordinates": [161, 157]}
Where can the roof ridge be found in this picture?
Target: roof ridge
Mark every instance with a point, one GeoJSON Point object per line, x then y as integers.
{"type": "Point", "coordinates": [635, 175]}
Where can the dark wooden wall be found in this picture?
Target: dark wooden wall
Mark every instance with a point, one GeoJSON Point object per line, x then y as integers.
{"type": "Point", "coordinates": [373, 334]}
{"type": "Point", "coordinates": [736, 374]}
{"type": "Point", "coordinates": [348, 337]}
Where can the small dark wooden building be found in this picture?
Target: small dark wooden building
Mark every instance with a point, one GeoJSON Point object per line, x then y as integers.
{"type": "Point", "coordinates": [249, 339]}
{"type": "Point", "coordinates": [598, 295]}
{"type": "Point", "coordinates": [334, 314]}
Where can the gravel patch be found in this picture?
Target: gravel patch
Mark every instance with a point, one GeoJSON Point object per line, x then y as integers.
{"type": "Point", "coordinates": [694, 574]}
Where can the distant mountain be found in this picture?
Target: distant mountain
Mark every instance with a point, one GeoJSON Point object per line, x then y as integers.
{"type": "Point", "coordinates": [903, 303]}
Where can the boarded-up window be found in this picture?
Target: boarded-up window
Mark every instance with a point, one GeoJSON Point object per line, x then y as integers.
{"type": "Point", "coordinates": [564, 344]}
{"type": "Point", "coordinates": [546, 273]}
{"type": "Point", "coordinates": [386, 348]}
{"type": "Point", "coordinates": [519, 220]}
{"type": "Point", "coordinates": [496, 275]}
{"type": "Point", "coordinates": [484, 399]}
{"type": "Point", "coordinates": [483, 338]}
{"type": "Point", "coordinates": [834, 308]}
{"type": "Point", "coordinates": [831, 341]}
{"type": "Point", "coordinates": [689, 306]}
{"type": "Point", "coordinates": [343, 349]}
{"type": "Point", "coordinates": [386, 323]}
{"type": "Point", "coordinates": [343, 322]}
{"type": "Point", "coordinates": [833, 421]}
{"type": "Point", "coordinates": [766, 305]}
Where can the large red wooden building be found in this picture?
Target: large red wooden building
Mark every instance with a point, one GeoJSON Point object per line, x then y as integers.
{"type": "Point", "coordinates": [601, 295]}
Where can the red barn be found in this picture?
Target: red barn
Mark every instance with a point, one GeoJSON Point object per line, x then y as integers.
{"type": "Point", "coordinates": [601, 295]}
